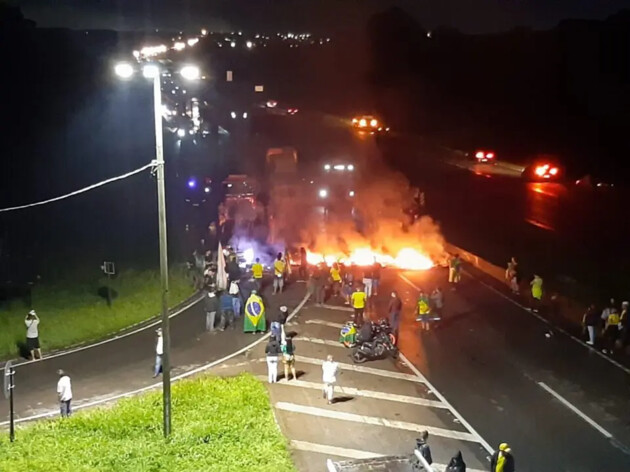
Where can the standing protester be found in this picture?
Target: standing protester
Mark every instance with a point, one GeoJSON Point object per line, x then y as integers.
{"type": "Point", "coordinates": [423, 447]}
{"type": "Point", "coordinates": [368, 279]}
{"type": "Point", "coordinates": [235, 293]}
{"type": "Point", "coordinates": [288, 357]}
{"type": "Point", "coordinates": [255, 320]}
{"type": "Point", "coordinates": [272, 351]}
{"type": "Point", "coordinates": [502, 460]}
{"type": "Point", "coordinates": [257, 273]}
{"type": "Point", "coordinates": [329, 378]}
{"type": "Point", "coordinates": [623, 325]}
{"type": "Point", "coordinates": [454, 271]}
{"type": "Point", "coordinates": [211, 307]}
{"type": "Point", "coordinates": [32, 335]}
{"type": "Point", "coordinates": [232, 268]}
{"type": "Point", "coordinates": [227, 310]}
{"type": "Point", "coordinates": [423, 310]}
{"type": "Point", "coordinates": [64, 392]}
{"type": "Point", "coordinates": [611, 329]}
{"type": "Point", "coordinates": [346, 291]}
{"type": "Point", "coordinates": [394, 309]}
{"type": "Point", "coordinates": [358, 303]}
{"type": "Point", "coordinates": [319, 285]}
{"type": "Point", "coordinates": [511, 275]}
{"type": "Point", "coordinates": [437, 301]}
{"type": "Point", "coordinates": [159, 351]}
{"type": "Point", "coordinates": [376, 278]}
{"type": "Point", "coordinates": [590, 322]}
{"type": "Point", "coordinates": [303, 273]}
{"type": "Point", "coordinates": [456, 464]}
{"type": "Point", "coordinates": [537, 292]}
{"type": "Point", "coordinates": [279, 267]}
{"type": "Point", "coordinates": [335, 277]}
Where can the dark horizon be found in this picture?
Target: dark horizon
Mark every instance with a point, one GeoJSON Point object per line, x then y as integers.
{"type": "Point", "coordinates": [324, 16]}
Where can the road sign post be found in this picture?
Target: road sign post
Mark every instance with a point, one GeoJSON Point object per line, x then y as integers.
{"type": "Point", "coordinates": [109, 269]}
{"type": "Point", "coordinates": [9, 385]}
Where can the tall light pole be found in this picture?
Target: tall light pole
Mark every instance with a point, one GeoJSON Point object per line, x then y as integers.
{"type": "Point", "coordinates": [153, 71]}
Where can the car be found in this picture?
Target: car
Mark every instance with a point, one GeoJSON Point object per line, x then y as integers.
{"type": "Point", "coordinates": [368, 124]}
{"type": "Point", "coordinates": [484, 156]}
{"type": "Point", "coordinates": [544, 168]}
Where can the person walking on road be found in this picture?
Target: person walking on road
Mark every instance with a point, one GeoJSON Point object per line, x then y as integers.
{"type": "Point", "coordinates": [424, 311]}
{"type": "Point", "coordinates": [511, 275]}
{"type": "Point", "coordinates": [537, 292]}
{"type": "Point", "coordinates": [454, 271]}
{"type": "Point", "coordinates": [590, 322]}
{"type": "Point", "coordinates": [358, 299]}
{"type": "Point", "coordinates": [437, 301]}
{"type": "Point", "coordinates": [288, 357]}
{"type": "Point", "coordinates": [159, 351]}
{"type": "Point", "coordinates": [423, 447]}
{"type": "Point", "coordinates": [279, 268]}
{"type": "Point", "coordinates": [64, 393]}
{"type": "Point", "coordinates": [32, 335]}
{"type": "Point", "coordinates": [456, 464]}
{"type": "Point", "coordinates": [329, 378]}
{"type": "Point", "coordinates": [394, 309]}
{"type": "Point", "coordinates": [502, 460]}
{"type": "Point", "coordinates": [273, 351]}
{"type": "Point", "coordinates": [211, 307]}
{"type": "Point", "coordinates": [257, 274]}
{"type": "Point", "coordinates": [255, 320]}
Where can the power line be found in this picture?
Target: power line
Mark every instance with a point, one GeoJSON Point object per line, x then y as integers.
{"type": "Point", "coordinates": [80, 191]}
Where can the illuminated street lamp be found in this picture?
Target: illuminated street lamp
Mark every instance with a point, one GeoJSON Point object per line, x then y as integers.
{"type": "Point", "coordinates": [152, 71]}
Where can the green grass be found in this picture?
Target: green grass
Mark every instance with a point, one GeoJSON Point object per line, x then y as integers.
{"type": "Point", "coordinates": [219, 424]}
{"type": "Point", "coordinates": [72, 312]}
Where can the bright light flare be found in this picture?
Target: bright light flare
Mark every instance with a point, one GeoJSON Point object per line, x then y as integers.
{"type": "Point", "coordinates": [179, 46]}
{"type": "Point", "coordinates": [323, 193]}
{"type": "Point", "coordinates": [373, 123]}
{"type": "Point", "coordinates": [248, 255]}
{"type": "Point", "coordinates": [150, 71]}
{"type": "Point", "coordinates": [190, 72]}
{"type": "Point", "coordinates": [193, 41]}
{"type": "Point", "coordinates": [362, 122]}
{"type": "Point", "coordinates": [407, 259]}
{"type": "Point", "coordinates": [124, 70]}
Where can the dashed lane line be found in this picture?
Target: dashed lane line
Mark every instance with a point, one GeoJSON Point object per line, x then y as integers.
{"type": "Point", "coordinates": [355, 392]}
{"type": "Point", "coordinates": [365, 370]}
{"type": "Point", "coordinates": [325, 323]}
{"type": "Point", "coordinates": [375, 421]}
{"type": "Point", "coordinates": [327, 342]}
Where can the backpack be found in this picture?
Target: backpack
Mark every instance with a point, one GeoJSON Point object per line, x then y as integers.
{"type": "Point", "coordinates": [234, 290]}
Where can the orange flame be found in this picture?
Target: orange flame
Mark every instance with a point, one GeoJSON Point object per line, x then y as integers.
{"type": "Point", "coordinates": [407, 258]}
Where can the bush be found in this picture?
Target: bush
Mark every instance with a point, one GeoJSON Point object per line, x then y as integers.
{"type": "Point", "coordinates": [219, 424]}
{"type": "Point", "coordinates": [73, 312]}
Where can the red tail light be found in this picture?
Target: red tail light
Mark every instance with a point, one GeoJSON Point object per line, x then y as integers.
{"type": "Point", "coordinates": [490, 155]}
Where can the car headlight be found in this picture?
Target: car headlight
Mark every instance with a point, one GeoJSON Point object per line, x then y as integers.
{"type": "Point", "coordinates": [363, 123]}
{"type": "Point", "coordinates": [323, 193]}
{"type": "Point", "coordinates": [350, 167]}
{"type": "Point", "coordinates": [374, 123]}
{"type": "Point", "coordinates": [327, 167]}
{"type": "Point", "coordinates": [351, 193]}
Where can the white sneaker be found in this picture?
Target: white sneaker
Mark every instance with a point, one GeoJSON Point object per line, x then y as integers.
{"type": "Point", "coordinates": [590, 343]}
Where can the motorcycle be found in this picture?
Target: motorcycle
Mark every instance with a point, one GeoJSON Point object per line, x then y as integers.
{"type": "Point", "coordinates": [380, 347]}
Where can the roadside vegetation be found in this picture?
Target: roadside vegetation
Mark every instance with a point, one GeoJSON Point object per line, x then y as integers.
{"type": "Point", "coordinates": [76, 311]}
{"type": "Point", "coordinates": [219, 424]}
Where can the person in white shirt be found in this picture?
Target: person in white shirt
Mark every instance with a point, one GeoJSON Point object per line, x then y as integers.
{"type": "Point", "coordinates": [329, 377]}
{"type": "Point", "coordinates": [159, 350]}
{"type": "Point", "coordinates": [64, 391]}
{"type": "Point", "coordinates": [32, 334]}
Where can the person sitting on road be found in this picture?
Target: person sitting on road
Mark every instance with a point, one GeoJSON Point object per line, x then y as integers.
{"type": "Point", "coordinates": [456, 464]}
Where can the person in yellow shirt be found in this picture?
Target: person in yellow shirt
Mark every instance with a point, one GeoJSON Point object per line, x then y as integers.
{"type": "Point", "coordinates": [335, 275]}
{"type": "Point", "coordinates": [278, 274]}
{"type": "Point", "coordinates": [358, 299]}
{"type": "Point", "coordinates": [257, 273]}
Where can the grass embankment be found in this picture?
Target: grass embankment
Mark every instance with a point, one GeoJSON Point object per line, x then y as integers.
{"type": "Point", "coordinates": [73, 312]}
{"type": "Point", "coordinates": [219, 424]}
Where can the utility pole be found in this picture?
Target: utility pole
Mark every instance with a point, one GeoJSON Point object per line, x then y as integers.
{"type": "Point", "coordinates": [166, 333]}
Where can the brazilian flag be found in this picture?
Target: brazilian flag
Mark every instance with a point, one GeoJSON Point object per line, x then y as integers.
{"type": "Point", "coordinates": [254, 315]}
{"type": "Point", "coordinates": [348, 335]}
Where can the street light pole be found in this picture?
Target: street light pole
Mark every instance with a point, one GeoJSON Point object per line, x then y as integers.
{"type": "Point", "coordinates": [161, 191]}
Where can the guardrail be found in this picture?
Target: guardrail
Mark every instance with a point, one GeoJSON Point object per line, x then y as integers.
{"type": "Point", "coordinates": [408, 460]}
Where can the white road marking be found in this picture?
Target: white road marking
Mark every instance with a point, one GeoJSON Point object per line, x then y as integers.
{"type": "Point", "coordinates": [375, 421]}
{"type": "Point", "coordinates": [327, 342]}
{"type": "Point", "coordinates": [362, 393]}
{"type": "Point", "coordinates": [72, 350]}
{"type": "Point", "coordinates": [338, 308]}
{"type": "Point", "coordinates": [325, 323]}
{"type": "Point", "coordinates": [575, 410]}
{"type": "Point", "coordinates": [441, 397]}
{"type": "Point", "coordinates": [333, 450]}
{"type": "Point", "coordinates": [364, 370]}
{"type": "Point", "coordinates": [159, 384]}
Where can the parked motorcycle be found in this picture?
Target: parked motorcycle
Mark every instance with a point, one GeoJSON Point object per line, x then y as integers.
{"type": "Point", "coordinates": [378, 348]}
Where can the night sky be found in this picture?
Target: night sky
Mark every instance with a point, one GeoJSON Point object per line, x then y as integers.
{"type": "Point", "coordinates": [313, 15]}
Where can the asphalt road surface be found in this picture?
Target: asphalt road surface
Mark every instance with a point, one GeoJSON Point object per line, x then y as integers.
{"type": "Point", "coordinates": [561, 406]}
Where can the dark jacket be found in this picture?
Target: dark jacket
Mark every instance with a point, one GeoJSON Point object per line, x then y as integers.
{"type": "Point", "coordinates": [591, 318]}
{"type": "Point", "coordinates": [456, 464]}
{"type": "Point", "coordinates": [509, 461]}
{"type": "Point", "coordinates": [395, 305]}
{"type": "Point", "coordinates": [226, 302]}
{"type": "Point", "coordinates": [273, 347]}
{"type": "Point", "coordinates": [210, 304]}
{"type": "Point", "coordinates": [233, 270]}
{"type": "Point", "coordinates": [425, 450]}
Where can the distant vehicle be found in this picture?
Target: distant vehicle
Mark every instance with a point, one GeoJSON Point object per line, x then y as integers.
{"type": "Point", "coordinates": [336, 181]}
{"type": "Point", "coordinates": [368, 124]}
{"type": "Point", "coordinates": [198, 190]}
{"type": "Point", "coordinates": [484, 156]}
{"type": "Point", "coordinates": [240, 210]}
{"type": "Point", "coordinates": [589, 181]}
{"type": "Point", "coordinates": [282, 160]}
{"type": "Point", "coordinates": [544, 168]}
